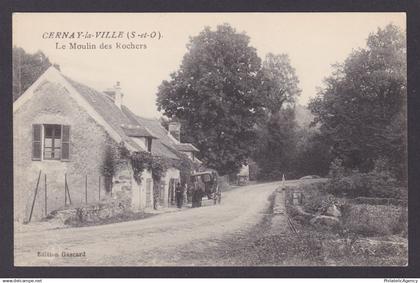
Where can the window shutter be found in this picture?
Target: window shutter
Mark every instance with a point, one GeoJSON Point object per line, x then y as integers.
{"type": "Point", "coordinates": [65, 143]}
{"type": "Point", "coordinates": [149, 144]}
{"type": "Point", "coordinates": [36, 142]}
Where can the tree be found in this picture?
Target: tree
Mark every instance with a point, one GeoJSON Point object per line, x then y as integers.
{"type": "Point", "coordinates": [276, 146]}
{"type": "Point", "coordinates": [214, 96]}
{"type": "Point", "coordinates": [278, 89]}
{"type": "Point", "coordinates": [361, 110]}
{"type": "Point", "coordinates": [313, 155]}
{"type": "Point", "coordinates": [27, 68]}
{"type": "Point", "coordinates": [278, 82]}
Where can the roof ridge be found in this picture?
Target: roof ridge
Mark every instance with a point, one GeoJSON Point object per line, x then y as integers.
{"type": "Point", "coordinates": [83, 85]}
{"type": "Point", "coordinates": [104, 107]}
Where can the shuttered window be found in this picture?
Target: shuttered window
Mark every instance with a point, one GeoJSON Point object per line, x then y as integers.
{"type": "Point", "coordinates": [65, 143]}
{"type": "Point", "coordinates": [36, 142]}
{"type": "Point", "coordinates": [149, 144]}
{"type": "Point", "coordinates": [56, 142]}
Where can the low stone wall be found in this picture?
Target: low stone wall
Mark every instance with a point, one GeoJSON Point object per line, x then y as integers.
{"type": "Point", "coordinates": [293, 202]}
{"type": "Point", "coordinates": [278, 219]}
{"type": "Point", "coordinates": [91, 213]}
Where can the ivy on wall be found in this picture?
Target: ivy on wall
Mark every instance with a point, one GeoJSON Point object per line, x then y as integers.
{"type": "Point", "coordinates": [141, 161]}
{"type": "Point", "coordinates": [114, 157]}
{"type": "Point", "coordinates": [109, 164]}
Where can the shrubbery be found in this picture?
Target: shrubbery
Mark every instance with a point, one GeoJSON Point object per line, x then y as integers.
{"type": "Point", "coordinates": [317, 201]}
{"type": "Point", "coordinates": [375, 220]}
{"type": "Point", "coordinates": [352, 183]}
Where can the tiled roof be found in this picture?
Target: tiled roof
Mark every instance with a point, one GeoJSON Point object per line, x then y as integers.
{"type": "Point", "coordinates": [106, 108]}
{"type": "Point", "coordinates": [136, 131]}
{"type": "Point", "coordinates": [127, 124]}
{"type": "Point", "coordinates": [163, 145]}
{"type": "Point", "coordinates": [185, 147]}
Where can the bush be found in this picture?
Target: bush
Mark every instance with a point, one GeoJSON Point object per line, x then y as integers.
{"type": "Point", "coordinates": [379, 183]}
{"type": "Point", "coordinates": [372, 184]}
{"type": "Point", "coordinates": [380, 201]}
{"type": "Point", "coordinates": [317, 201]}
{"type": "Point", "coordinates": [374, 220]}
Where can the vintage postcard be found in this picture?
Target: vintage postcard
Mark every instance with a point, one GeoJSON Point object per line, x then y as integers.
{"type": "Point", "coordinates": [210, 139]}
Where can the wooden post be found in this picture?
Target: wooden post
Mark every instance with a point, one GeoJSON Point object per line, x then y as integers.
{"type": "Point", "coordinates": [86, 189]}
{"type": "Point", "coordinates": [65, 189]}
{"type": "Point", "coordinates": [36, 192]}
{"type": "Point", "coordinates": [68, 192]}
{"type": "Point", "coordinates": [99, 187]}
{"type": "Point", "coordinates": [45, 190]}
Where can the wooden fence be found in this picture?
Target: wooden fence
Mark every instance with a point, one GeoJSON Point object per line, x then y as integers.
{"type": "Point", "coordinates": [70, 195]}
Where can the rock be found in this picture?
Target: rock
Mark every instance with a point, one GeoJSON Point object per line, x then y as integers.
{"type": "Point", "coordinates": [333, 211]}
{"type": "Point", "coordinates": [323, 220]}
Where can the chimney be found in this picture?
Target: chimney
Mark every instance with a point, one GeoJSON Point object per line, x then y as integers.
{"type": "Point", "coordinates": [118, 95]}
{"type": "Point", "coordinates": [175, 130]}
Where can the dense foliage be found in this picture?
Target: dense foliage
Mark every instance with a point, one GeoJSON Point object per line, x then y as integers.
{"type": "Point", "coordinates": [214, 95]}
{"type": "Point", "coordinates": [362, 108]}
{"type": "Point", "coordinates": [140, 161]}
{"type": "Point", "coordinates": [378, 183]}
{"type": "Point", "coordinates": [27, 68]}
{"type": "Point", "coordinates": [278, 89]}
{"type": "Point", "coordinates": [278, 83]}
{"type": "Point", "coordinates": [313, 155]}
{"type": "Point", "coordinates": [276, 149]}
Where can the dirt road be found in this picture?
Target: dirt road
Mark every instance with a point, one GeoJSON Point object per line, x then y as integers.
{"type": "Point", "coordinates": [185, 237]}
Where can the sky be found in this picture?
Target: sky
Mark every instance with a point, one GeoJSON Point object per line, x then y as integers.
{"type": "Point", "coordinates": [313, 41]}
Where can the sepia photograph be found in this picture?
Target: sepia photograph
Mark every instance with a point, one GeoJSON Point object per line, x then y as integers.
{"type": "Point", "coordinates": [210, 139]}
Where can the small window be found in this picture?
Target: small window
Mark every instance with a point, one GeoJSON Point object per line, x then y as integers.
{"type": "Point", "coordinates": [52, 142]}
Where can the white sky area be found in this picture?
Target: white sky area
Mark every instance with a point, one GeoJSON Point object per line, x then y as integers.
{"type": "Point", "coordinates": [313, 41]}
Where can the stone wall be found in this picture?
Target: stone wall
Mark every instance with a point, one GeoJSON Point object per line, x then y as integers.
{"type": "Point", "coordinates": [51, 104]}
{"type": "Point", "coordinates": [92, 213]}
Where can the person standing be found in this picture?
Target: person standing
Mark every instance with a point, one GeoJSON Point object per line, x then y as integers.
{"type": "Point", "coordinates": [195, 194]}
{"type": "Point", "coordinates": [179, 195]}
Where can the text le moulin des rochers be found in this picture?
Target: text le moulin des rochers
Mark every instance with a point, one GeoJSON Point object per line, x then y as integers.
{"type": "Point", "coordinates": [82, 40]}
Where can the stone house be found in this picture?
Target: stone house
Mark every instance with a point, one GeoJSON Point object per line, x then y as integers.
{"type": "Point", "coordinates": [62, 134]}
{"type": "Point", "coordinates": [168, 145]}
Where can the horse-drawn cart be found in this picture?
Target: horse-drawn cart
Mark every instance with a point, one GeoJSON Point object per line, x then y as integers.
{"type": "Point", "coordinates": [205, 183]}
